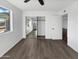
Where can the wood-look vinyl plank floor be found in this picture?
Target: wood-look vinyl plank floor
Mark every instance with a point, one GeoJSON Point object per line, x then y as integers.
{"type": "Point", "coordinates": [33, 48]}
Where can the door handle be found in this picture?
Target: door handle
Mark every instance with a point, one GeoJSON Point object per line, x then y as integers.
{"type": "Point", "coordinates": [53, 28]}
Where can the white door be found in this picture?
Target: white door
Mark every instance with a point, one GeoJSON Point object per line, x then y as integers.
{"type": "Point", "coordinates": [54, 27]}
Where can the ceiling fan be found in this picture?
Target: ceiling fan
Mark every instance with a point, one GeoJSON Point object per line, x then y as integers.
{"type": "Point", "coordinates": [40, 1]}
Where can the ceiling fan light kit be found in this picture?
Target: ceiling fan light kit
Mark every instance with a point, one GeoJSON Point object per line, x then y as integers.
{"type": "Point", "coordinates": [40, 1]}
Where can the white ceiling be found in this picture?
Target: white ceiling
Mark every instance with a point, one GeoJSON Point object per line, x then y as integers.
{"type": "Point", "coordinates": [54, 5]}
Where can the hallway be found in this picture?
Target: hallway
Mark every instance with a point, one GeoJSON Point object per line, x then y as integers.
{"type": "Point", "coordinates": [33, 48]}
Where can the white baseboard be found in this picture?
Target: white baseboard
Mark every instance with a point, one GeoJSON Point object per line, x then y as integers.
{"type": "Point", "coordinates": [9, 48]}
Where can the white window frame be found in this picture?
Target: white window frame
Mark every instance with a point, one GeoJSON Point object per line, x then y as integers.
{"type": "Point", "coordinates": [11, 20]}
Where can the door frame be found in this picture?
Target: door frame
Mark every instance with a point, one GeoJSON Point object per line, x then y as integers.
{"type": "Point", "coordinates": [67, 26]}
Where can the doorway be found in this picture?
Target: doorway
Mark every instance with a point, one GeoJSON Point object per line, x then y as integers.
{"type": "Point", "coordinates": [41, 27]}
{"type": "Point", "coordinates": [35, 26]}
{"type": "Point", "coordinates": [64, 27]}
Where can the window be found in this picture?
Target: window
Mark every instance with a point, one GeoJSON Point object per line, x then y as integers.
{"type": "Point", "coordinates": [4, 20]}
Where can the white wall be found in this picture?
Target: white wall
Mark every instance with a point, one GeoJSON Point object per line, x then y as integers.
{"type": "Point", "coordinates": [72, 11]}
{"type": "Point", "coordinates": [49, 16]}
{"type": "Point", "coordinates": [73, 26]}
{"type": "Point", "coordinates": [9, 39]}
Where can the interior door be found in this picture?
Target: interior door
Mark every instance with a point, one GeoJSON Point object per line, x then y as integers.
{"type": "Point", "coordinates": [56, 28]}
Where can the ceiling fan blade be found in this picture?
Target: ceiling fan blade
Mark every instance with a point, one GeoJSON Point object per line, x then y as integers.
{"type": "Point", "coordinates": [26, 1]}
{"type": "Point", "coordinates": [41, 2]}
